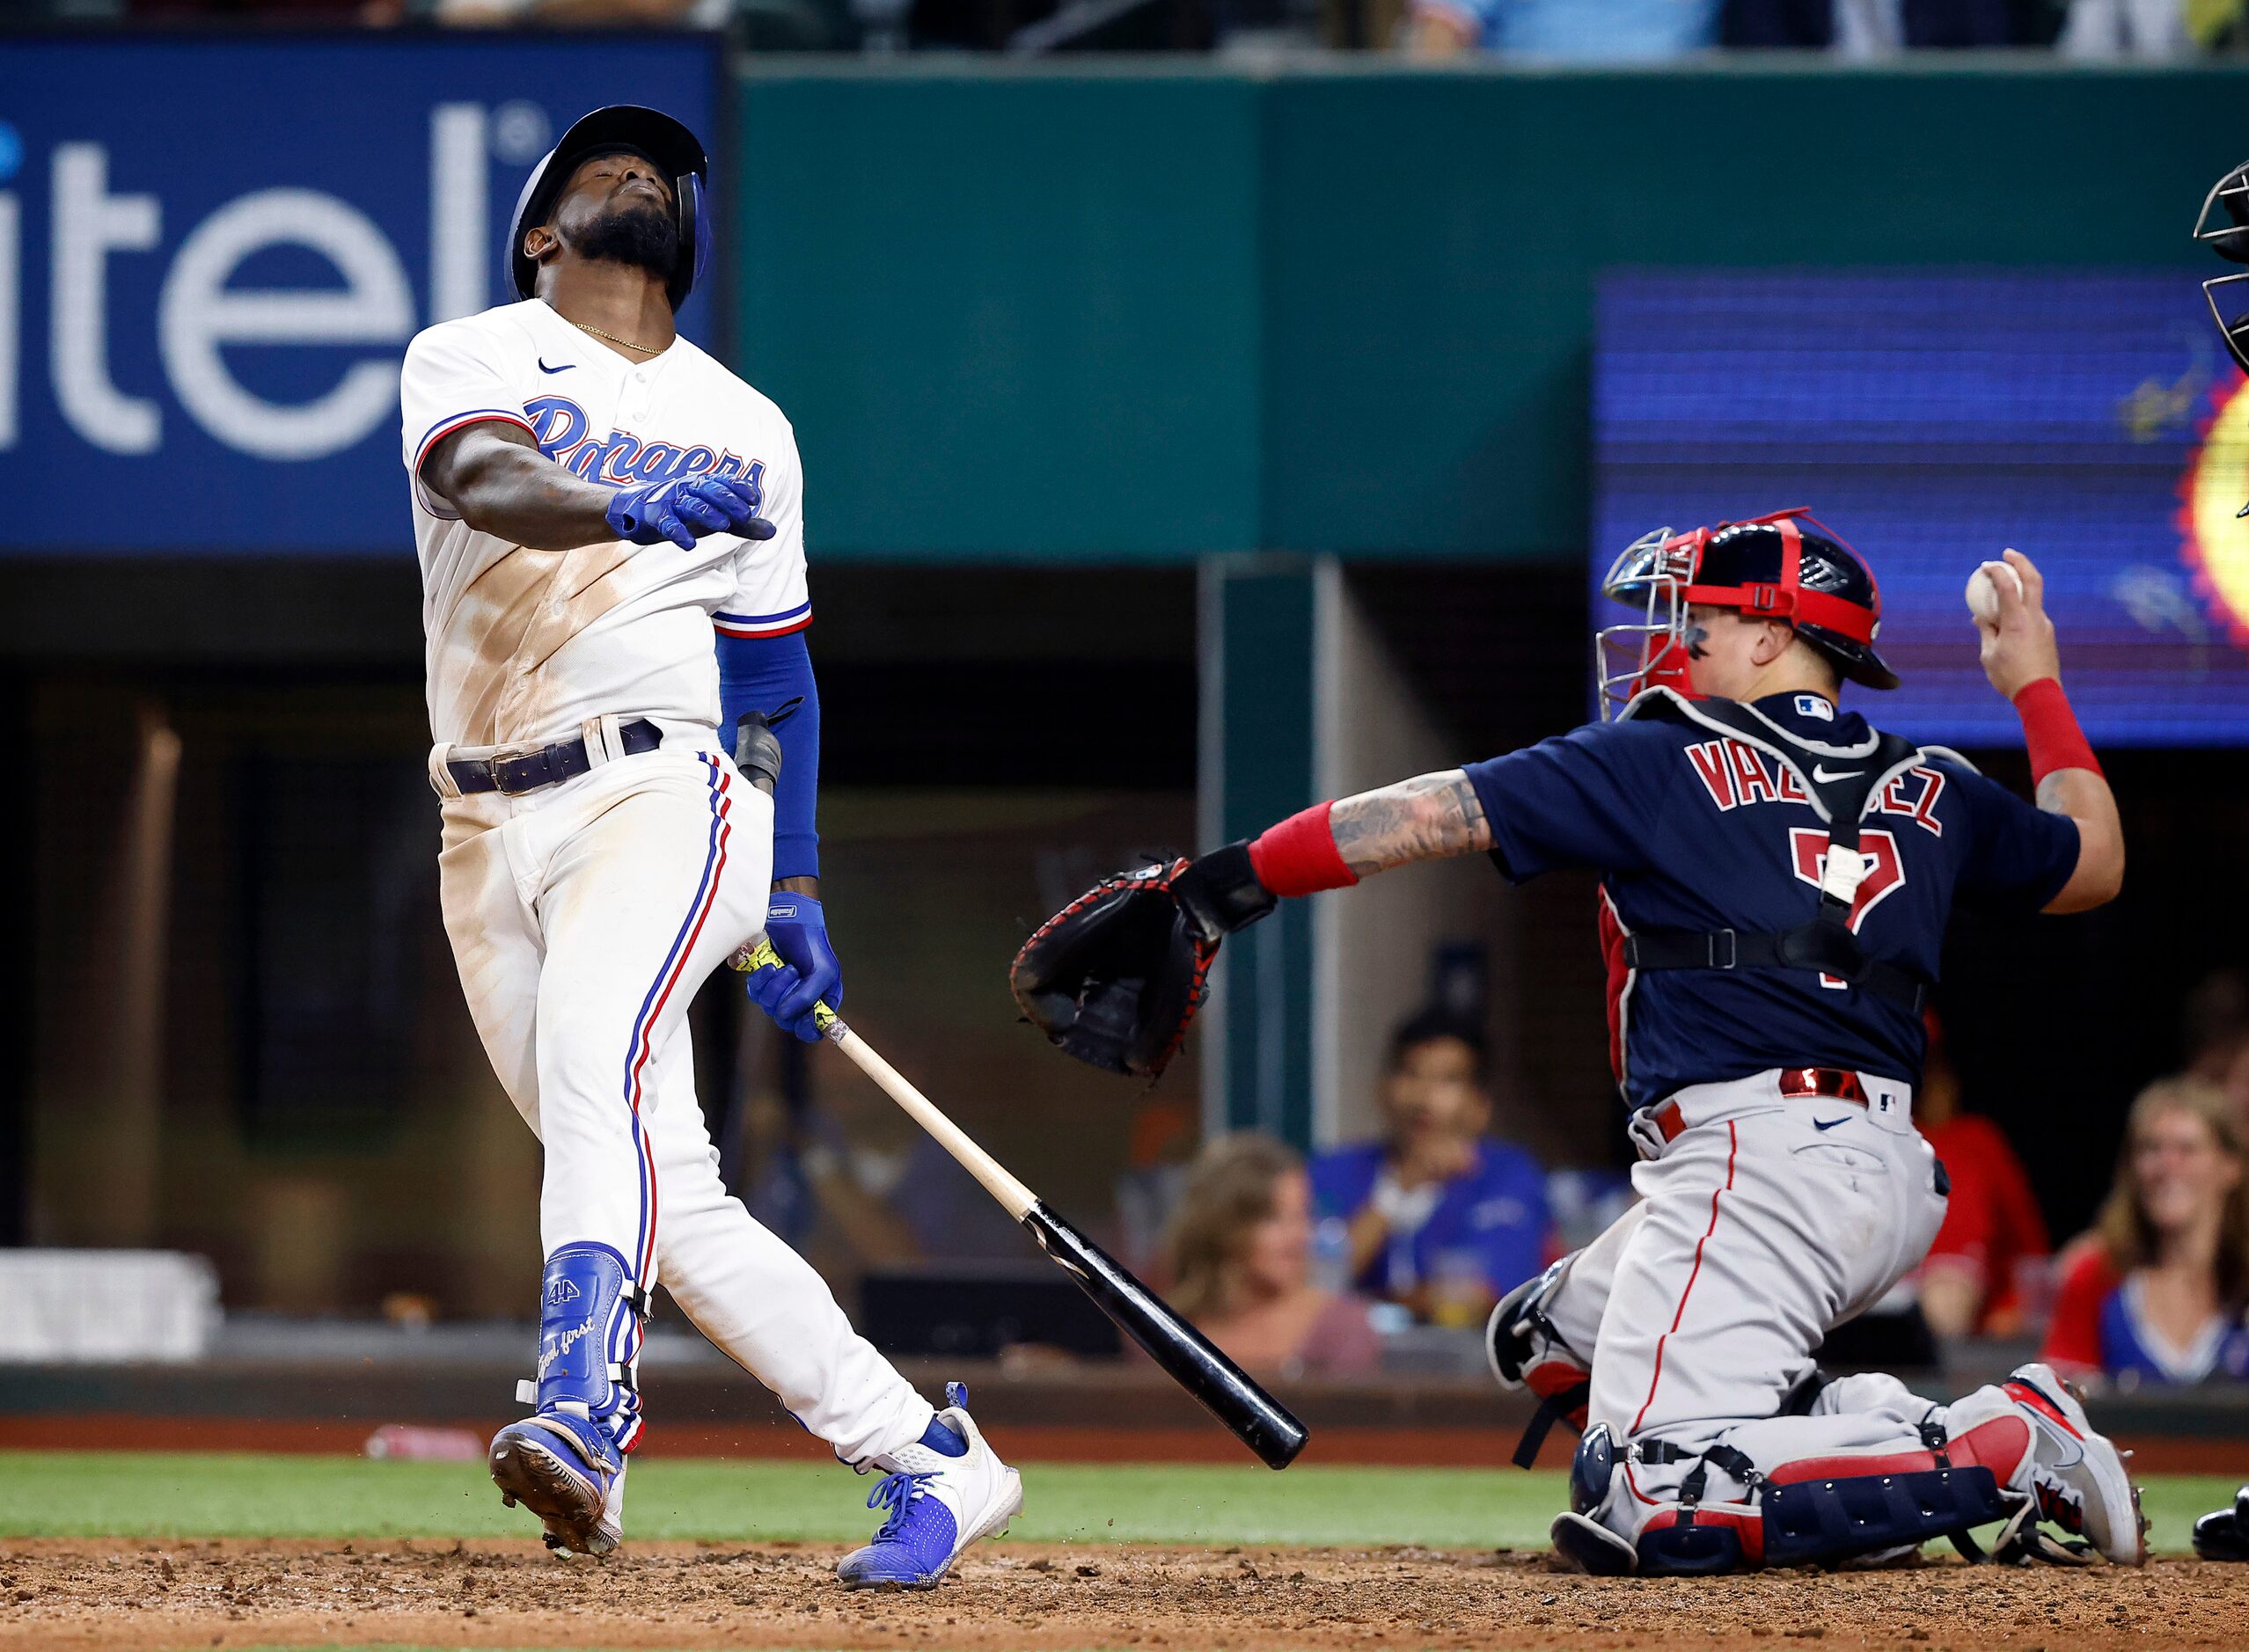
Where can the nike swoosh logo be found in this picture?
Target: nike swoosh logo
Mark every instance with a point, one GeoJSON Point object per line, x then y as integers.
{"type": "Point", "coordinates": [2070, 1444]}
{"type": "Point", "coordinates": [543, 366]}
{"type": "Point", "coordinates": [1828, 1124]}
{"type": "Point", "coordinates": [1823, 775]}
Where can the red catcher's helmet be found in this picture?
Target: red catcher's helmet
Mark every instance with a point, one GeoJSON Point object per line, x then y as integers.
{"type": "Point", "coordinates": [1788, 565]}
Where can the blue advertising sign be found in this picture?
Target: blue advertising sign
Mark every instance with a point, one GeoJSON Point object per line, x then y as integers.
{"type": "Point", "coordinates": [213, 253]}
{"type": "Point", "coordinates": [2091, 421]}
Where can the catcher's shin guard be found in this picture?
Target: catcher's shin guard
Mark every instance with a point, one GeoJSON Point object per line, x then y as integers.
{"type": "Point", "coordinates": [1814, 1521]}
{"type": "Point", "coordinates": [1825, 1511]}
{"type": "Point", "coordinates": [1524, 1350]}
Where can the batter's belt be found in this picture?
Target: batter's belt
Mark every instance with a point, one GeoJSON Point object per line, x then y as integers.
{"type": "Point", "coordinates": [516, 772]}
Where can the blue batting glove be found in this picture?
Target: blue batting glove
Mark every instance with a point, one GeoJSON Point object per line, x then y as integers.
{"type": "Point", "coordinates": [809, 972]}
{"type": "Point", "coordinates": [682, 508]}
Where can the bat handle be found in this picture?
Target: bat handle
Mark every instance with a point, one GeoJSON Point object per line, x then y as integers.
{"type": "Point", "coordinates": [757, 953]}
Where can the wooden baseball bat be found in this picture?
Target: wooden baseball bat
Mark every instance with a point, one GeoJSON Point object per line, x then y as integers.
{"type": "Point", "coordinates": [1254, 1416]}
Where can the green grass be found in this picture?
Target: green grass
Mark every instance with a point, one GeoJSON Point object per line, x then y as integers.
{"type": "Point", "coordinates": [105, 1493]}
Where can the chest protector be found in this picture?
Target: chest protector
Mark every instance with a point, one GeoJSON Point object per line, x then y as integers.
{"type": "Point", "coordinates": [1842, 795]}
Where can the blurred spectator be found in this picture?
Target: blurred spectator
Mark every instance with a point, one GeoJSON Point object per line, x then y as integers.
{"type": "Point", "coordinates": [1439, 1216]}
{"type": "Point", "coordinates": [1862, 29]}
{"type": "Point", "coordinates": [494, 14]}
{"type": "Point", "coordinates": [1581, 1205]}
{"type": "Point", "coordinates": [2156, 1293]}
{"type": "Point", "coordinates": [2214, 1025]}
{"type": "Point", "coordinates": [856, 1185]}
{"type": "Point", "coordinates": [2147, 30]}
{"type": "Point", "coordinates": [1158, 1149]}
{"type": "Point", "coordinates": [1563, 31]}
{"type": "Point", "coordinates": [1241, 1256]}
{"type": "Point", "coordinates": [1970, 1284]}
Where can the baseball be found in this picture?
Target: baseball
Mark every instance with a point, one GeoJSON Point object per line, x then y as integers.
{"type": "Point", "coordinates": [1984, 590]}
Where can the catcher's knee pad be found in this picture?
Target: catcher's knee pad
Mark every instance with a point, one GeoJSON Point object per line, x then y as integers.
{"type": "Point", "coordinates": [1701, 1540]}
{"type": "Point", "coordinates": [1524, 1350]}
{"type": "Point", "coordinates": [1592, 1471]}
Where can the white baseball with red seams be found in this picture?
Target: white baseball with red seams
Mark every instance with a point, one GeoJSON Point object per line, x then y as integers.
{"type": "Point", "coordinates": [1765, 1220]}
{"type": "Point", "coordinates": [585, 915]}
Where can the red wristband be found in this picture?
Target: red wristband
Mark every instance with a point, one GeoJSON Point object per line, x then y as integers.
{"type": "Point", "coordinates": [1299, 856]}
{"type": "Point", "coordinates": [2050, 730]}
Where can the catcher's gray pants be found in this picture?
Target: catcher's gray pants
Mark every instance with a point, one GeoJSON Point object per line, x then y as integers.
{"type": "Point", "coordinates": [1764, 1221]}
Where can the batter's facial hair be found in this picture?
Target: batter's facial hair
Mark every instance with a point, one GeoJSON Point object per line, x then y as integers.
{"type": "Point", "coordinates": [643, 237]}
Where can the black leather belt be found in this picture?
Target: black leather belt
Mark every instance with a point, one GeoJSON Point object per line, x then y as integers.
{"type": "Point", "coordinates": [549, 766]}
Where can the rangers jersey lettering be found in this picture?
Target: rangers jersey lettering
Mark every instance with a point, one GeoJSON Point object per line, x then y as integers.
{"type": "Point", "coordinates": [525, 644]}
{"type": "Point", "coordinates": [1696, 829]}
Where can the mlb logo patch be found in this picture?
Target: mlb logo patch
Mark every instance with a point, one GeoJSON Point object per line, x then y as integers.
{"type": "Point", "coordinates": [1812, 706]}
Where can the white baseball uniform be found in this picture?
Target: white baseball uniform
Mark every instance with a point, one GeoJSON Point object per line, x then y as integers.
{"type": "Point", "coordinates": [585, 915]}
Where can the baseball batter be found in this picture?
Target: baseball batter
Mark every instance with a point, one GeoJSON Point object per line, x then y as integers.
{"type": "Point", "coordinates": [1776, 878]}
{"type": "Point", "coordinates": [610, 527]}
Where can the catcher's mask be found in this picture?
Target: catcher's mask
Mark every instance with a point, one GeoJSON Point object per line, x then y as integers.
{"type": "Point", "coordinates": [2222, 226]}
{"type": "Point", "coordinates": [1787, 566]}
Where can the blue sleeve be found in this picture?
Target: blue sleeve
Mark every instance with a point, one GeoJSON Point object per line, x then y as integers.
{"type": "Point", "coordinates": [2017, 856]}
{"type": "Point", "coordinates": [1584, 799]}
{"type": "Point", "coordinates": [764, 673]}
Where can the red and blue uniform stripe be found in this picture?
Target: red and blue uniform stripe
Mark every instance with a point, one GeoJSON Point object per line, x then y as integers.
{"type": "Point", "coordinates": [452, 422]}
{"type": "Point", "coordinates": [641, 1047]}
{"type": "Point", "coordinates": [780, 624]}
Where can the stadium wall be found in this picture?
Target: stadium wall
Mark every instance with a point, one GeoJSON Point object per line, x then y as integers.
{"type": "Point", "coordinates": [1158, 313]}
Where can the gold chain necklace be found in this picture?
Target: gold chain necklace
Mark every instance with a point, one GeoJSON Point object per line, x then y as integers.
{"type": "Point", "coordinates": [613, 338]}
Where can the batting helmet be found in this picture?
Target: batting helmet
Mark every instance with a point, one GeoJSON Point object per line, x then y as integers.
{"type": "Point", "coordinates": [621, 128]}
{"type": "Point", "coordinates": [1787, 566]}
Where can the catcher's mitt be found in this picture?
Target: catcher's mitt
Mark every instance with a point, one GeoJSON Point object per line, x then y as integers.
{"type": "Point", "coordinates": [1114, 977]}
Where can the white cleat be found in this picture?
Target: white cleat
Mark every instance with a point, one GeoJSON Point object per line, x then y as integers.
{"type": "Point", "coordinates": [2077, 1476]}
{"type": "Point", "coordinates": [934, 1507]}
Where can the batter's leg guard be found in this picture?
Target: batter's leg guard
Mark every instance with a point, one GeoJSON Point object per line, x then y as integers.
{"type": "Point", "coordinates": [1524, 1350]}
{"type": "Point", "coordinates": [566, 1463]}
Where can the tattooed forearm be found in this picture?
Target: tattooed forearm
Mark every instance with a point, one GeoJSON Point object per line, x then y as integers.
{"type": "Point", "coordinates": [1425, 818]}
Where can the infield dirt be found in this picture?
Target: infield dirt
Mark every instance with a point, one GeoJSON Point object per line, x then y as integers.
{"type": "Point", "coordinates": [94, 1596]}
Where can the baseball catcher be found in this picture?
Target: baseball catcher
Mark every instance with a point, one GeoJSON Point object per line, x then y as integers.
{"type": "Point", "coordinates": [1776, 877]}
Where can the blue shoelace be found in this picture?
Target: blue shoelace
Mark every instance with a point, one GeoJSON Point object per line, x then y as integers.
{"type": "Point", "coordinates": [896, 1493]}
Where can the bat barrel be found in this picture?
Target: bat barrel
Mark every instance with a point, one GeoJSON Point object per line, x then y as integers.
{"type": "Point", "coordinates": [1228, 1393]}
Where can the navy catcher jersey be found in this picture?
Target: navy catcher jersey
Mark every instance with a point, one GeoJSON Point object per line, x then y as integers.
{"type": "Point", "coordinates": [1696, 829]}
